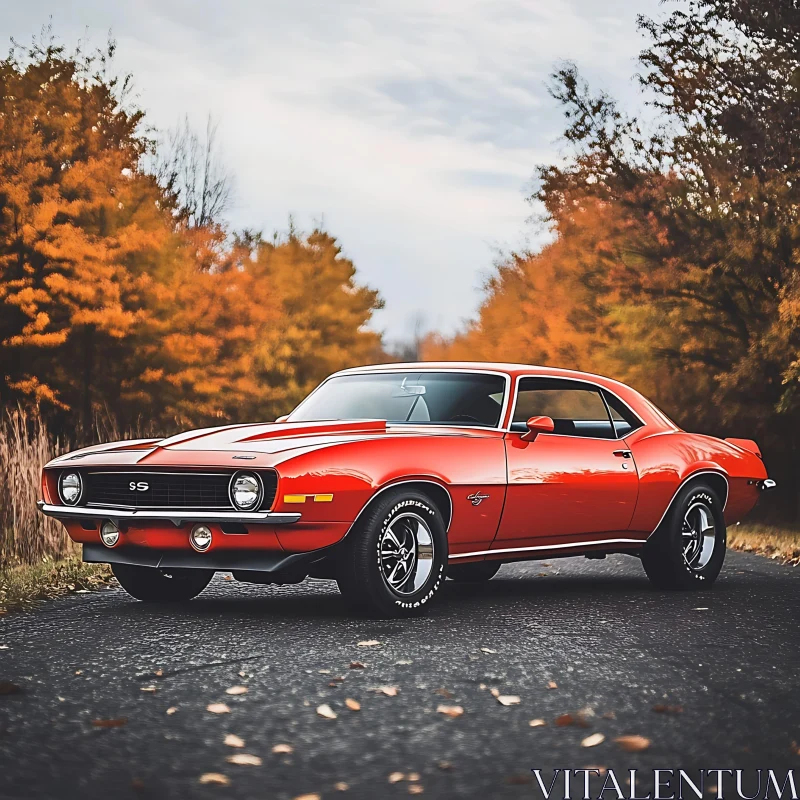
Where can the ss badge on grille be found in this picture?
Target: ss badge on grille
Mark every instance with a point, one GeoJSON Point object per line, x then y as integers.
{"type": "Point", "coordinates": [140, 486]}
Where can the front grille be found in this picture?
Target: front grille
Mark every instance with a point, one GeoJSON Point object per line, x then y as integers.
{"type": "Point", "coordinates": [168, 489]}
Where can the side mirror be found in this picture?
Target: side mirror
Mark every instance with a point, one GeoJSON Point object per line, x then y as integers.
{"type": "Point", "coordinates": [537, 425]}
{"type": "Point", "coordinates": [283, 418]}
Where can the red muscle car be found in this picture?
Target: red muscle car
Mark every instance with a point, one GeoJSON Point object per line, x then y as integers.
{"type": "Point", "coordinates": [391, 478]}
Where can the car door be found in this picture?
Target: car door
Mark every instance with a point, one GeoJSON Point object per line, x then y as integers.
{"type": "Point", "coordinates": [578, 483]}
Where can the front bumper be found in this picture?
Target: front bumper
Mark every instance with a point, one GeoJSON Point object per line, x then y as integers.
{"type": "Point", "coordinates": [176, 516]}
{"type": "Point", "coordinates": [277, 563]}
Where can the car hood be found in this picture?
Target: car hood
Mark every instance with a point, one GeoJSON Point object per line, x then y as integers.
{"type": "Point", "coordinates": [260, 444]}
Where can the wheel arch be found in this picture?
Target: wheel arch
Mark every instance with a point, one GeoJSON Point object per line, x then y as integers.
{"type": "Point", "coordinates": [438, 493]}
{"type": "Point", "coordinates": [716, 478]}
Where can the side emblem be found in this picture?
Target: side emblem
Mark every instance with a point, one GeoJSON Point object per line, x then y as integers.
{"type": "Point", "coordinates": [477, 498]}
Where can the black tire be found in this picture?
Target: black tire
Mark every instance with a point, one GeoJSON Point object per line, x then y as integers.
{"type": "Point", "coordinates": [363, 562]}
{"type": "Point", "coordinates": [474, 572]}
{"type": "Point", "coordinates": [156, 586]}
{"type": "Point", "coordinates": [681, 554]}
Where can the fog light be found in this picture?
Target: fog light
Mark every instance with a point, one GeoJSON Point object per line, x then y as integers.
{"type": "Point", "coordinates": [200, 538]}
{"type": "Point", "coordinates": [109, 533]}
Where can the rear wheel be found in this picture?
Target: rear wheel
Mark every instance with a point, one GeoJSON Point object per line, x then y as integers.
{"type": "Point", "coordinates": [392, 564]}
{"type": "Point", "coordinates": [687, 550]}
{"type": "Point", "coordinates": [156, 586]}
{"type": "Point", "coordinates": [474, 572]}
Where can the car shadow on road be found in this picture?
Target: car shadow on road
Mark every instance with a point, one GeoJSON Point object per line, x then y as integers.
{"type": "Point", "coordinates": [320, 599]}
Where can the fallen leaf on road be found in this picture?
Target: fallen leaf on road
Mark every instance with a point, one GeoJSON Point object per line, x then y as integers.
{"type": "Point", "coordinates": [312, 796]}
{"type": "Point", "coordinates": [412, 776]}
{"type": "Point", "coordinates": [537, 723]}
{"type": "Point", "coordinates": [369, 643]}
{"type": "Point", "coordinates": [404, 662]}
{"type": "Point", "coordinates": [148, 689]}
{"type": "Point", "coordinates": [664, 709]}
{"type": "Point", "coordinates": [633, 744]}
{"type": "Point", "coordinates": [488, 650]}
{"type": "Point", "coordinates": [227, 577]}
{"type": "Point", "coordinates": [593, 740]}
{"type": "Point", "coordinates": [214, 777]}
{"type": "Point", "coordinates": [326, 711]}
{"type": "Point", "coordinates": [353, 705]}
{"type": "Point", "coordinates": [450, 711]}
{"type": "Point", "coordinates": [494, 692]}
{"type": "Point", "coordinates": [283, 749]}
{"type": "Point", "coordinates": [324, 672]}
{"type": "Point", "coordinates": [445, 766]}
{"type": "Point", "coordinates": [232, 740]}
{"type": "Point", "coordinates": [110, 723]}
{"type": "Point", "coordinates": [337, 679]}
{"type": "Point", "coordinates": [508, 699]}
{"type": "Point", "coordinates": [563, 720]}
{"type": "Point", "coordinates": [218, 708]}
{"type": "Point", "coordinates": [79, 672]}
{"type": "Point", "coordinates": [396, 777]}
{"type": "Point", "coordinates": [171, 710]}
{"type": "Point", "coordinates": [159, 673]}
{"type": "Point", "coordinates": [357, 665]}
{"type": "Point", "coordinates": [244, 759]}
{"type": "Point", "coordinates": [389, 691]}
{"type": "Point", "coordinates": [445, 693]}
{"type": "Point", "coordinates": [552, 685]}
{"type": "Point", "coordinates": [341, 786]}
{"type": "Point", "coordinates": [7, 687]}
{"type": "Point", "coordinates": [416, 788]}
{"type": "Point", "coordinates": [609, 715]}
{"type": "Point", "coordinates": [236, 690]}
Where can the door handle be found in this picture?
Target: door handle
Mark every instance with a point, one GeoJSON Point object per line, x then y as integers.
{"type": "Point", "coordinates": [623, 453]}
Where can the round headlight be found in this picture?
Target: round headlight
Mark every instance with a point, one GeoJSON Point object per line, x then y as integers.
{"type": "Point", "coordinates": [109, 533]}
{"type": "Point", "coordinates": [200, 538]}
{"type": "Point", "coordinates": [70, 487]}
{"type": "Point", "coordinates": [245, 491]}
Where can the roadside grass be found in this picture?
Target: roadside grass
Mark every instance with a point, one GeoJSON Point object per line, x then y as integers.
{"type": "Point", "coordinates": [779, 543]}
{"type": "Point", "coordinates": [23, 585]}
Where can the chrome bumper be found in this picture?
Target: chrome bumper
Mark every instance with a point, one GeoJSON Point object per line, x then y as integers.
{"type": "Point", "coordinates": [176, 516]}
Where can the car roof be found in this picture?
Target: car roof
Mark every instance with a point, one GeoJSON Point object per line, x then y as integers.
{"type": "Point", "coordinates": [512, 369]}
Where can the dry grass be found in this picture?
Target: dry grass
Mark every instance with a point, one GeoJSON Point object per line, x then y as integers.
{"type": "Point", "coordinates": [26, 536]}
{"type": "Point", "coordinates": [782, 544]}
{"type": "Point", "coordinates": [21, 586]}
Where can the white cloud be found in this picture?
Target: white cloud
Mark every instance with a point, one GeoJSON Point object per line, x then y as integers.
{"type": "Point", "coordinates": [410, 126]}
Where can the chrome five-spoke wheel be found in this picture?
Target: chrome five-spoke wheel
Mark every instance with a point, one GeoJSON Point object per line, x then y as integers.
{"type": "Point", "coordinates": [688, 547]}
{"type": "Point", "coordinates": [699, 535]}
{"type": "Point", "coordinates": [406, 553]}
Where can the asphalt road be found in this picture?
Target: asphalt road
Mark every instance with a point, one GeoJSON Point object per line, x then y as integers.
{"type": "Point", "coordinates": [729, 658]}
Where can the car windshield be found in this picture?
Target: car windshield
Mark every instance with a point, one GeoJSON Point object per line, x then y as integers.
{"type": "Point", "coordinates": [420, 398]}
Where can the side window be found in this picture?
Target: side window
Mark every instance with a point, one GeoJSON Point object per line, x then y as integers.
{"type": "Point", "coordinates": [623, 418]}
{"type": "Point", "coordinates": [576, 409]}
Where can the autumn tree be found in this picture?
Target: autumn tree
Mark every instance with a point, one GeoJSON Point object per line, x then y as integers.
{"type": "Point", "coordinates": [80, 226]}
{"type": "Point", "coordinates": [122, 291]}
{"type": "Point", "coordinates": [676, 243]}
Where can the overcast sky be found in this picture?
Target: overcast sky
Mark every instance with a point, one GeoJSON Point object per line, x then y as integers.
{"type": "Point", "coordinates": [409, 127]}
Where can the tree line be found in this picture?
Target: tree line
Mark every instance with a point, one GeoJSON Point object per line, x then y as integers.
{"type": "Point", "coordinates": [674, 259]}
{"type": "Point", "coordinates": [123, 295]}
{"type": "Point", "coordinates": [672, 265]}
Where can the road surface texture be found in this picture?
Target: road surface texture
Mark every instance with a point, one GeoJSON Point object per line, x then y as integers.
{"type": "Point", "coordinates": [572, 636]}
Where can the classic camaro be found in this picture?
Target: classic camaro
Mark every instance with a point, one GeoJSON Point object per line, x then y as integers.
{"type": "Point", "coordinates": [391, 478]}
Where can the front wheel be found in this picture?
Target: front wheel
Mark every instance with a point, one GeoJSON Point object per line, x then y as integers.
{"type": "Point", "coordinates": [156, 586]}
{"type": "Point", "coordinates": [392, 563]}
{"type": "Point", "coordinates": [687, 550]}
